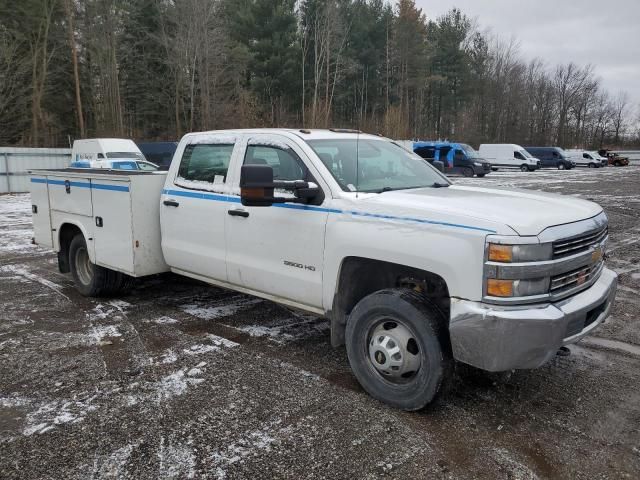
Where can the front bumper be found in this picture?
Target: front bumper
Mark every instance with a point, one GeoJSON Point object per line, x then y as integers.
{"type": "Point", "coordinates": [482, 169]}
{"type": "Point", "coordinates": [497, 338]}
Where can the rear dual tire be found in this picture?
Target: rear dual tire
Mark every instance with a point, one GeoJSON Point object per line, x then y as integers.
{"type": "Point", "coordinates": [92, 280]}
{"type": "Point", "coordinates": [398, 348]}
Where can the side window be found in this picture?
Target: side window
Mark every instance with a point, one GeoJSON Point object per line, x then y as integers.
{"type": "Point", "coordinates": [458, 155]}
{"type": "Point", "coordinates": [205, 162]}
{"type": "Point", "coordinates": [555, 154]}
{"type": "Point", "coordinates": [518, 155]}
{"type": "Point", "coordinates": [285, 163]}
{"type": "Point", "coordinates": [124, 166]}
{"type": "Point", "coordinates": [426, 152]}
{"type": "Point", "coordinates": [586, 155]}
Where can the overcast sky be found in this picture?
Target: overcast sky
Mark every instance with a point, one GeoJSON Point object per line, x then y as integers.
{"type": "Point", "coordinates": [605, 33]}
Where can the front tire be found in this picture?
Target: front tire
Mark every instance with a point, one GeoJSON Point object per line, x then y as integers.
{"type": "Point", "coordinates": [524, 168]}
{"type": "Point", "coordinates": [592, 165]}
{"type": "Point", "coordinates": [467, 172]}
{"type": "Point", "coordinates": [398, 348]}
{"type": "Point", "coordinates": [92, 280]}
{"type": "Point", "coordinates": [561, 166]}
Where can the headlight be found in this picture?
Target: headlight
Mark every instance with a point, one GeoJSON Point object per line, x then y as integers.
{"type": "Point", "coordinates": [477, 164]}
{"type": "Point", "coordinates": [517, 288]}
{"type": "Point", "coordinates": [520, 253]}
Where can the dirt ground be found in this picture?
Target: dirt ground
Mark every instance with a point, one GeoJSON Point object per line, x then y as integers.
{"type": "Point", "coordinates": [181, 380]}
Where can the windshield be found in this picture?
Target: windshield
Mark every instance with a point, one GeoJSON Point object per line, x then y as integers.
{"type": "Point", "coordinates": [126, 155]}
{"type": "Point", "coordinates": [471, 153]}
{"type": "Point", "coordinates": [525, 154]}
{"type": "Point", "coordinates": [381, 165]}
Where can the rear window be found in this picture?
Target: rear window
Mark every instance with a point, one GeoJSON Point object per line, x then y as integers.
{"type": "Point", "coordinates": [205, 163]}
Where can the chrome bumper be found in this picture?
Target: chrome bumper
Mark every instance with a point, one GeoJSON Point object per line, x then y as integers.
{"type": "Point", "coordinates": [499, 338]}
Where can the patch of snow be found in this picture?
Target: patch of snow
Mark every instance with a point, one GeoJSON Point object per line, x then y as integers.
{"type": "Point", "coordinates": [23, 272]}
{"type": "Point", "coordinates": [249, 445]}
{"type": "Point", "coordinates": [164, 320]}
{"type": "Point", "coordinates": [101, 332]}
{"type": "Point", "coordinates": [175, 384]}
{"type": "Point", "coordinates": [220, 311]}
{"type": "Point", "coordinates": [176, 461]}
{"type": "Point", "coordinates": [112, 465]}
{"type": "Point", "coordinates": [218, 188]}
{"type": "Point", "coordinates": [57, 412]}
{"type": "Point", "coordinates": [212, 140]}
{"type": "Point", "coordinates": [221, 341]}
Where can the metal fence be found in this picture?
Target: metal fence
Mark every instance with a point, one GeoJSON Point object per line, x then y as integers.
{"type": "Point", "coordinates": [15, 164]}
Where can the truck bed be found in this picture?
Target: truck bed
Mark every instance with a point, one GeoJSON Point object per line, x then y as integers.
{"type": "Point", "coordinates": [118, 212]}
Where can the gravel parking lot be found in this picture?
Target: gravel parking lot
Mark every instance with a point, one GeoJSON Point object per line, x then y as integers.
{"type": "Point", "coordinates": [181, 380]}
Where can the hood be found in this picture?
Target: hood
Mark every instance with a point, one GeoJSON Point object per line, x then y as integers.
{"type": "Point", "coordinates": [526, 212]}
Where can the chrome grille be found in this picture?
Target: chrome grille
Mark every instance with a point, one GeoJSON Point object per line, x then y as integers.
{"type": "Point", "coordinates": [575, 279]}
{"type": "Point", "coordinates": [580, 243]}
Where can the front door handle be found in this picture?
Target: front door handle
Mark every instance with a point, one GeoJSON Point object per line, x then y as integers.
{"type": "Point", "coordinates": [171, 203]}
{"type": "Point", "coordinates": [238, 213]}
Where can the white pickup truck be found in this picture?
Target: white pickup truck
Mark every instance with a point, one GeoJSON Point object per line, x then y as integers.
{"type": "Point", "coordinates": [412, 271]}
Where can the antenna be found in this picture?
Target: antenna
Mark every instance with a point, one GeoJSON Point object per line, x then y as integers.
{"type": "Point", "coordinates": [357, 159]}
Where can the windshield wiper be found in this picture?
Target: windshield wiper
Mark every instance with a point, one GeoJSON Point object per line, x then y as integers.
{"type": "Point", "coordinates": [440, 185]}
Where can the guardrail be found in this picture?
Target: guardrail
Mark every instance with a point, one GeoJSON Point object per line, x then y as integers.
{"type": "Point", "coordinates": [15, 164]}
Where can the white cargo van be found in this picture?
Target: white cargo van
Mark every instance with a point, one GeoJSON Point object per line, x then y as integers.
{"type": "Point", "coordinates": [584, 158]}
{"type": "Point", "coordinates": [105, 149]}
{"type": "Point", "coordinates": [508, 155]}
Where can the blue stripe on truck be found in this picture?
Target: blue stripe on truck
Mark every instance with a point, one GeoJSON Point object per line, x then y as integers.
{"type": "Point", "coordinates": [95, 186]}
{"type": "Point", "coordinates": [233, 199]}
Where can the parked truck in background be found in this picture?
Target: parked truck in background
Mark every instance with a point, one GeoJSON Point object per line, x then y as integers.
{"type": "Point", "coordinates": [614, 158]}
{"type": "Point", "coordinates": [99, 149]}
{"type": "Point", "coordinates": [457, 158]}
{"type": "Point", "coordinates": [509, 155]}
{"type": "Point", "coordinates": [413, 271]}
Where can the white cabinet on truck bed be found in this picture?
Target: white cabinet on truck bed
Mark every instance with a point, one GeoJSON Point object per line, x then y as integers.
{"type": "Point", "coordinates": [118, 213]}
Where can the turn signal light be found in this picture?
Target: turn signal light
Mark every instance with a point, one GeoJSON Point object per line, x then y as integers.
{"type": "Point", "coordinates": [500, 253]}
{"type": "Point", "coordinates": [499, 288]}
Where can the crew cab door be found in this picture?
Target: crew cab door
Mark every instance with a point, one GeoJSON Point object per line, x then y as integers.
{"type": "Point", "coordinates": [279, 249]}
{"type": "Point", "coordinates": [194, 206]}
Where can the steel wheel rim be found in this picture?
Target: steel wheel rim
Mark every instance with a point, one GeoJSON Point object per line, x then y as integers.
{"type": "Point", "coordinates": [84, 267]}
{"type": "Point", "coordinates": [393, 351]}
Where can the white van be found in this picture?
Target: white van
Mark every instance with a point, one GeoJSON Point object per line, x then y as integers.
{"type": "Point", "coordinates": [93, 149]}
{"type": "Point", "coordinates": [508, 155]}
{"type": "Point", "coordinates": [584, 158]}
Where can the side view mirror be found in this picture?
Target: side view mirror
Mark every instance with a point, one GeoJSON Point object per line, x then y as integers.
{"type": "Point", "coordinates": [439, 165]}
{"type": "Point", "coordinates": [257, 187]}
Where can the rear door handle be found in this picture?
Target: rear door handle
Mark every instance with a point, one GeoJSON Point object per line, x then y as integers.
{"type": "Point", "coordinates": [171, 203]}
{"type": "Point", "coordinates": [238, 213]}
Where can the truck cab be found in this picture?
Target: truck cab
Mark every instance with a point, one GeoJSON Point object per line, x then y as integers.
{"type": "Point", "coordinates": [413, 271]}
{"type": "Point", "coordinates": [457, 158]}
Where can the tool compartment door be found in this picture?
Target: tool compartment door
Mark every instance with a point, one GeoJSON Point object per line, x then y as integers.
{"type": "Point", "coordinates": [40, 211]}
{"type": "Point", "coordinates": [113, 223]}
{"type": "Point", "coordinates": [70, 194]}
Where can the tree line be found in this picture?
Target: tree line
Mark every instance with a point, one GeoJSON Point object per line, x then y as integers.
{"type": "Point", "coordinates": [156, 69]}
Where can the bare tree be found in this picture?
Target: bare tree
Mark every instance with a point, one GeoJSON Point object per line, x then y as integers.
{"type": "Point", "coordinates": [620, 107]}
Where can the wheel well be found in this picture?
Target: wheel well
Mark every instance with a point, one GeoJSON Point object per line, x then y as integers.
{"type": "Point", "coordinates": [360, 277]}
{"type": "Point", "coordinates": [66, 234]}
